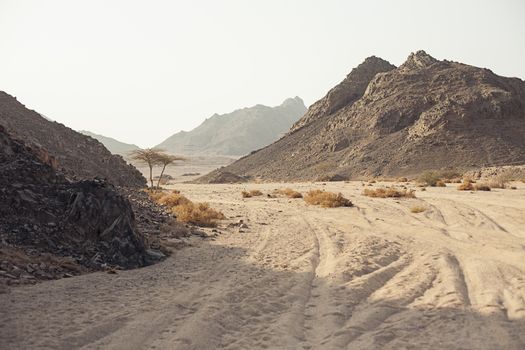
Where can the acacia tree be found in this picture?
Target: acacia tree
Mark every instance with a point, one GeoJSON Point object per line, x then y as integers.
{"type": "Point", "coordinates": [165, 160]}
{"type": "Point", "coordinates": [150, 157]}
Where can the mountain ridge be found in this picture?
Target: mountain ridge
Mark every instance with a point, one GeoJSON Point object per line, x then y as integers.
{"type": "Point", "coordinates": [424, 114]}
{"type": "Point", "coordinates": [237, 133]}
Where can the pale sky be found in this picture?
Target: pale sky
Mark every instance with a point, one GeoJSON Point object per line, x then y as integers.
{"type": "Point", "coordinates": [140, 71]}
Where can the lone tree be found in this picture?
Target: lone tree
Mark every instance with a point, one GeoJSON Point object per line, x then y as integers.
{"type": "Point", "coordinates": [165, 159]}
{"type": "Point", "coordinates": [149, 156]}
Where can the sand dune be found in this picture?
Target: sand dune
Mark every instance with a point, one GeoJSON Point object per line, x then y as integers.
{"type": "Point", "coordinates": [374, 276]}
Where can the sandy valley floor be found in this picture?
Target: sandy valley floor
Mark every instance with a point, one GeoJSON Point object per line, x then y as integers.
{"type": "Point", "coordinates": [299, 277]}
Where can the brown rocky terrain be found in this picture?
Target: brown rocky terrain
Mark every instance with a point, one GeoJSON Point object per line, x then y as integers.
{"type": "Point", "coordinates": [73, 226]}
{"type": "Point", "coordinates": [76, 155]}
{"type": "Point", "coordinates": [424, 114]}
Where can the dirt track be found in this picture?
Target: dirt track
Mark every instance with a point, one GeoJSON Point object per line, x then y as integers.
{"type": "Point", "coordinates": [302, 277]}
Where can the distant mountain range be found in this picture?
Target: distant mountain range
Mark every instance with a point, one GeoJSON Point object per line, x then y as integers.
{"type": "Point", "coordinates": [384, 120]}
{"type": "Point", "coordinates": [114, 146]}
{"type": "Point", "coordinates": [237, 133]}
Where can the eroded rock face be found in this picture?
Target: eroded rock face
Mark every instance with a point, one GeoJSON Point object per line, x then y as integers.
{"type": "Point", "coordinates": [347, 92]}
{"type": "Point", "coordinates": [77, 156]}
{"type": "Point", "coordinates": [426, 114]}
{"type": "Point", "coordinates": [88, 221]}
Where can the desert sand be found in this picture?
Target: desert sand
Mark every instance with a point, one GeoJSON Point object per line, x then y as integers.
{"type": "Point", "coordinates": [374, 276]}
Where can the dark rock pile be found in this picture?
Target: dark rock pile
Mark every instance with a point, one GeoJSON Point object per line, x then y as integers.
{"type": "Point", "coordinates": [42, 213]}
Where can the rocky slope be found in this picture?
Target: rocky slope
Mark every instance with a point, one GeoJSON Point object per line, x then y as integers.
{"type": "Point", "coordinates": [114, 146]}
{"type": "Point", "coordinates": [43, 213]}
{"type": "Point", "coordinates": [425, 114]}
{"type": "Point", "coordinates": [76, 155]}
{"type": "Point", "coordinates": [237, 133]}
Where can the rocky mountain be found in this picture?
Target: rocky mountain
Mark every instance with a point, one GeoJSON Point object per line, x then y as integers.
{"type": "Point", "coordinates": [388, 121]}
{"type": "Point", "coordinates": [237, 133]}
{"type": "Point", "coordinates": [114, 146]}
{"type": "Point", "coordinates": [76, 155]}
{"type": "Point", "coordinates": [41, 212]}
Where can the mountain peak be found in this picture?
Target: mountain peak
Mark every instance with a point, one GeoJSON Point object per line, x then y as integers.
{"type": "Point", "coordinates": [419, 59]}
{"type": "Point", "coordinates": [293, 101]}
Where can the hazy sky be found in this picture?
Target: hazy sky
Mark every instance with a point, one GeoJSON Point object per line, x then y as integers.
{"type": "Point", "coordinates": [140, 71]}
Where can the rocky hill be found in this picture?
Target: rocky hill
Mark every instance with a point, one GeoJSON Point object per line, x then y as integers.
{"type": "Point", "coordinates": [237, 133]}
{"type": "Point", "coordinates": [425, 114]}
{"type": "Point", "coordinates": [112, 145]}
{"type": "Point", "coordinates": [42, 213]}
{"type": "Point", "coordinates": [76, 155]}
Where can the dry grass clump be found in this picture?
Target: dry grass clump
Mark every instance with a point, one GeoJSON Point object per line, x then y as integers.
{"type": "Point", "coordinates": [198, 214]}
{"type": "Point", "coordinates": [481, 187]}
{"type": "Point", "coordinates": [173, 199]}
{"type": "Point", "coordinates": [185, 210]}
{"type": "Point", "coordinates": [250, 194]}
{"type": "Point", "coordinates": [288, 192]}
{"type": "Point", "coordinates": [438, 178]}
{"type": "Point", "coordinates": [417, 209]}
{"type": "Point", "coordinates": [501, 180]}
{"type": "Point", "coordinates": [327, 199]}
{"type": "Point", "coordinates": [466, 186]}
{"type": "Point", "coordinates": [389, 193]}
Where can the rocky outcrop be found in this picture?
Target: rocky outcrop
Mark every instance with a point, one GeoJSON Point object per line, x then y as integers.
{"type": "Point", "coordinates": [237, 133]}
{"type": "Point", "coordinates": [426, 114]}
{"type": "Point", "coordinates": [75, 155]}
{"type": "Point", "coordinates": [44, 213]}
{"type": "Point", "coordinates": [345, 93]}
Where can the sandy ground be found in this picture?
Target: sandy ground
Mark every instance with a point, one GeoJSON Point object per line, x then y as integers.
{"type": "Point", "coordinates": [375, 276]}
{"type": "Point", "coordinates": [188, 170]}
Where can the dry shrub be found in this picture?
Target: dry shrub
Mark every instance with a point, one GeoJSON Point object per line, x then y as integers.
{"type": "Point", "coordinates": [502, 179]}
{"type": "Point", "coordinates": [327, 199]}
{"type": "Point", "coordinates": [199, 214]}
{"type": "Point", "coordinates": [417, 209]}
{"type": "Point", "coordinates": [466, 186]}
{"type": "Point", "coordinates": [288, 192]}
{"type": "Point", "coordinates": [429, 178]}
{"type": "Point", "coordinates": [185, 210]}
{"type": "Point", "coordinates": [155, 195]}
{"type": "Point", "coordinates": [481, 187]}
{"type": "Point", "coordinates": [250, 194]}
{"type": "Point", "coordinates": [389, 193]}
{"type": "Point", "coordinates": [173, 199]}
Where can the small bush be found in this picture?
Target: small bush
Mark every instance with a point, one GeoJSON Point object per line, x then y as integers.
{"type": "Point", "coordinates": [466, 186]}
{"type": "Point", "coordinates": [388, 193]}
{"type": "Point", "coordinates": [327, 199]}
{"type": "Point", "coordinates": [288, 192]}
{"type": "Point", "coordinates": [173, 199]}
{"type": "Point", "coordinates": [481, 187]}
{"type": "Point", "coordinates": [502, 179]}
{"type": "Point", "coordinates": [429, 178]}
{"type": "Point", "coordinates": [417, 209]}
{"type": "Point", "coordinates": [199, 214]}
{"type": "Point", "coordinates": [250, 194]}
